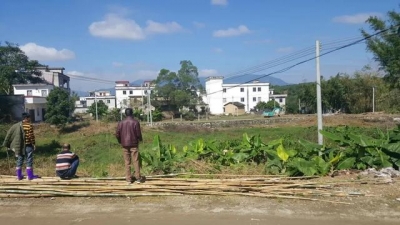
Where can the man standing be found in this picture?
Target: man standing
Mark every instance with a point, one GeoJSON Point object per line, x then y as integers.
{"type": "Point", "coordinates": [67, 163]}
{"type": "Point", "coordinates": [128, 135]}
{"type": "Point", "coordinates": [20, 138]}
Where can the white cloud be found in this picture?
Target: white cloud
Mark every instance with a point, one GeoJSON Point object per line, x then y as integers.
{"type": "Point", "coordinates": [219, 2]}
{"type": "Point", "coordinates": [115, 26]}
{"type": "Point", "coordinates": [198, 24]}
{"type": "Point", "coordinates": [285, 50]}
{"type": "Point", "coordinates": [162, 28]}
{"type": "Point", "coordinates": [217, 50]}
{"type": "Point", "coordinates": [356, 18]}
{"type": "Point", "coordinates": [262, 41]}
{"type": "Point", "coordinates": [117, 64]}
{"type": "Point", "coordinates": [74, 72]}
{"type": "Point", "coordinates": [240, 30]}
{"type": "Point", "coordinates": [37, 52]}
{"type": "Point", "coordinates": [208, 72]}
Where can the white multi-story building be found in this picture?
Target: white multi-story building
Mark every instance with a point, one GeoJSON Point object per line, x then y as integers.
{"type": "Point", "coordinates": [35, 94]}
{"type": "Point", "coordinates": [249, 94]}
{"type": "Point", "coordinates": [280, 98]}
{"type": "Point", "coordinates": [128, 95]}
{"type": "Point", "coordinates": [82, 105]}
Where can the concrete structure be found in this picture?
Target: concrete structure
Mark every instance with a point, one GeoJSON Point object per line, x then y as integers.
{"type": "Point", "coordinates": [280, 98]}
{"type": "Point", "coordinates": [35, 94]}
{"type": "Point", "coordinates": [133, 96]}
{"type": "Point", "coordinates": [234, 108]}
{"type": "Point", "coordinates": [249, 94]}
{"type": "Point", "coordinates": [83, 104]}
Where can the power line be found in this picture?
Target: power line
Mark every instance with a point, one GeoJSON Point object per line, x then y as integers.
{"type": "Point", "coordinates": [288, 58]}
{"type": "Point", "coordinates": [310, 59]}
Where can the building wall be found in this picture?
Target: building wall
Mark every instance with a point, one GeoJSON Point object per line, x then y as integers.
{"type": "Point", "coordinates": [33, 90]}
{"type": "Point", "coordinates": [123, 94]}
{"type": "Point", "coordinates": [214, 95]}
{"type": "Point", "coordinates": [37, 109]}
{"type": "Point", "coordinates": [219, 94]}
{"type": "Point", "coordinates": [234, 110]}
{"type": "Point", "coordinates": [247, 94]}
{"type": "Point", "coordinates": [108, 100]}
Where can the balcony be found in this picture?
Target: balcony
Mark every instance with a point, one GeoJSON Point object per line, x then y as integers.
{"type": "Point", "coordinates": [35, 100]}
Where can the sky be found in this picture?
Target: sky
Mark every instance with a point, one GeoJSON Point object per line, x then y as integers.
{"type": "Point", "coordinates": [134, 39]}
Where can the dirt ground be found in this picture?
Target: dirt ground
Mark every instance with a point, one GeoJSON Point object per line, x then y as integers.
{"type": "Point", "coordinates": [382, 206]}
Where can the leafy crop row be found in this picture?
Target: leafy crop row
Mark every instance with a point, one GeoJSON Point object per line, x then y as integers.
{"type": "Point", "coordinates": [350, 150]}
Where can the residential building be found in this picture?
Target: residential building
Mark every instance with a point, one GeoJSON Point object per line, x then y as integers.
{"type": "Point", "coordinates": [220, 93]}
{"type": "Point", "coordinates": [35, 94]}
{"type": "Point", "coordinates": [234, 108]}
{"type": "Point", "coordinates": [82, 105]}
{"type": "Point", "coordinates": [128, 95]}
{"type": "Point", "coordinates": [280, 98]}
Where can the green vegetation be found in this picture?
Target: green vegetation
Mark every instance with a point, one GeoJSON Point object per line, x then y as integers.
{"type": "Point", "coordinates": [101, 111]}
{"type": "Point", "coordinates": [59, 106]}
{"type": "Point", "coordinates": [287, 150]}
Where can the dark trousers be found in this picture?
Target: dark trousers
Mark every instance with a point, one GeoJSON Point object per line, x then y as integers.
{"type": "Point", "coordinates": [70, 173]}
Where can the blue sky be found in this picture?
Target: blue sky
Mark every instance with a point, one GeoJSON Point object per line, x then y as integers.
{"type": "Point", "coordinates": [130, 40]}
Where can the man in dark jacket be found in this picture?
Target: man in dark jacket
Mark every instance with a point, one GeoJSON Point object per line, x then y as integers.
{"type": "Point", "coordinates": [128, 135]}
{"type": "Point", "coordinates": [20, 138]}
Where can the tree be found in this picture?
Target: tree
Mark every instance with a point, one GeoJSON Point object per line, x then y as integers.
{"type": "Point", "coordinates": [59, 106]}
{"type": "Point", "coordinates": [178, 90]}
{"type": "Point", "coordinates": [271, 104]}
{"type": "Point", "coordinates": [16, 68]}
{"type": "Point", "coordinates": [102, 109]}
{"type": "Point", "coordinates": [261, 105]}
{"type": "Point", "coordinates": [386, 46]}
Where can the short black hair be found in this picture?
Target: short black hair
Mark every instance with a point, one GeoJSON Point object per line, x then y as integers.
{"type": "Point", "coordinates": [25, 115]}
{"type": "Point", "coordinates": [128, 112]}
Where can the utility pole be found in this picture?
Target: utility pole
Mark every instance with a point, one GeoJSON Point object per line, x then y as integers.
{"type": "Point", "coordinates": [373, 99]}
{"type": "Point", "coordinates": [149, 107]}
{"type": "Point", "coordinates": [95, 102]}
{"type": "Point", "coordinates": [319, 100]}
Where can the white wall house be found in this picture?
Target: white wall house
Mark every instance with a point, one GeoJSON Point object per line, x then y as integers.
{"type": "Point", "coordinates": [219, 94]}
{"type": "Point", "coordinates": [280, 98]}
{"type": "Point", "coordinates": [35, 94]}
{"type": "Point", "coordinates": [82, 105]}
{"type": "Point", "coordinates": [127, 95]}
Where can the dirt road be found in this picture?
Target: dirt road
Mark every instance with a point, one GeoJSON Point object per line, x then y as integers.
{"type": "Point", "coordinates": [194, 210]}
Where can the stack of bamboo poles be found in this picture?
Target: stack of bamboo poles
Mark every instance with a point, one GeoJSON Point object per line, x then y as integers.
{"type": "Point", "coordinates": [303, 188]}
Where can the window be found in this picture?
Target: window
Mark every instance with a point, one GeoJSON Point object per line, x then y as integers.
{"type": "Point", "coordinates": [124, 92]}
{"type": "Point", "coordinates": [280, 100]}
{"type": "Point", "coordinates": [259, 88]}
{"type": "Point", "coordinates": [242, 99]}
{"type": "Point", "coordinates": [254, 89]}
{"type": "Point", "coordinates": [108, 101]}
{"type": "Point", "coordinates": [259, 99]}
{"type": "Point", "coordinates": [224, 100]}
{"type": "Point", "coordinates": [224, 90]}
{"type": "Point", "coordinates": [29, 93]}
{"type": "Point", "coordinates": [254, 99]}
{"type": "Point", "coordinates": [44, 93]}
{"type": "Point", "coordinates": [241, 89]}
{"type": "Point", "coordinates": [130, 92]}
